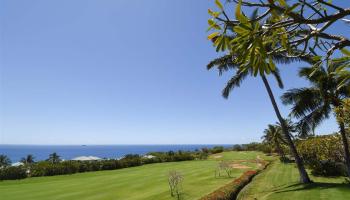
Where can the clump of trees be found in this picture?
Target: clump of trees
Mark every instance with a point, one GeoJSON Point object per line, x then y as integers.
{"type": "Point", "coordinates": [282, 32]}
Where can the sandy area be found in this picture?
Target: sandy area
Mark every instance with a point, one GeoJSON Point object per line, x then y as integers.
{"type": "Point", "coordinates": [239, 166]}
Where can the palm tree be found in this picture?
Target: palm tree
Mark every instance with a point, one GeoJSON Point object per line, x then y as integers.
{"type": "Point", "coordinates": [29, 159]}
{"type": "Point", "coordinates": [4, 161]}
{"type": "Point", "coordinates": [54, 158]}
{"type": "Point", "coordinates": [274, 137]}
{"type": "Point", "coordinates": [228, 62]}
{"type": "Point", "coordinates": [315, 103]}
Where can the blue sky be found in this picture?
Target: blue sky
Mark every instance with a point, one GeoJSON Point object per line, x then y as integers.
{"type": "Point", "coordinates": [122, 72]}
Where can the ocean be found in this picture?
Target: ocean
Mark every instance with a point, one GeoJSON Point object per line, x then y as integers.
{"type": "Point", "coordinates": [41, 152]}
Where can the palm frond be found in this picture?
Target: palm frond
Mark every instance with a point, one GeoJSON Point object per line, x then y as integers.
{"type": "Point", "coordinates": [234, 82]}
{"type": "Point", "coordinates": [223, 63]}
{"type": "Point", "coordinates": [308, 123]}
{"type": "Point", "coordinates": [304, 100]}
{"type": "Point", "coordinates": [278, 78]}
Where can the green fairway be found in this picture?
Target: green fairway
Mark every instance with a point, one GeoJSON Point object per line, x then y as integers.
{"type": "Point", "coordinates": [144, 182]}
{"type": "Point", "coordinates": [280, 181]}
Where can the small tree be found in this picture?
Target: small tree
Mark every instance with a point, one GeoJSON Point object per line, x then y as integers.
{"type": "Point", "coordinates": [4, 161]}
{"type": "Point", "coordinates": [224, 166]}
{"type": "Point", "coordinates": [273, 136]}
{"type": "Point", "coordinates": [175, 180]}
{"type": "Point", "coordinates": [54, 158]}
{"type": "Point", "coordinates": [29, 159]}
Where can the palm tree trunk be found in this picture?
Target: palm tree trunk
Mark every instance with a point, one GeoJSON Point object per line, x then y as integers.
{"type": "Point", "coordinates": [304, 177]}
{"type": "Point", "coordinates": [279, 149]}
{"type": "Point", "coordinates": [345, 146]}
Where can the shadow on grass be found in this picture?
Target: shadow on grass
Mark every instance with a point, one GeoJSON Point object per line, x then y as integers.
{"type": "Point", "coordinates": [312, 186]}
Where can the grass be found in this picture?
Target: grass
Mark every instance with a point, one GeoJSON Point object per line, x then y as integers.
{"type": "Point", "coordinates": [146, 182]}
{"type": "Point", "coordinates": [280, 181]}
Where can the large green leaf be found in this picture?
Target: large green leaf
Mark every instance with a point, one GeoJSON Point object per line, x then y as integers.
{"type": "Point", "coordinates": [219, 4]}
{"type": "Point", "coordinates": [212, 35]}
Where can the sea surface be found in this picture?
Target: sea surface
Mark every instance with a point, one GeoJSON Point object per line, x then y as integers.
{"type": "Point", "coordinates": [41, 152]}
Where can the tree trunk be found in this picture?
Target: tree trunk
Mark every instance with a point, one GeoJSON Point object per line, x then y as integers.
{"type": "Point", "coordinates": [345, 146]}
{"type": "Point", "coordinates": [279, 149]}
{"type": "Point", "coordinates": [304, 177]}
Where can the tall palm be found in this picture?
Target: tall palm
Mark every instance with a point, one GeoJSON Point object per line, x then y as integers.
{"type": "Point", "coordinates": [273, 136]}
{"type": "Point", "coordinates": [29, 159]}
{"type": "Point", "coordinates": [54, 158]}
{"type": "Point", "coordinates": [315, 103]}
{"type": "Point", "coordinates": [4, 161]}
{"type": "Point", "coordinates": [227, 63]}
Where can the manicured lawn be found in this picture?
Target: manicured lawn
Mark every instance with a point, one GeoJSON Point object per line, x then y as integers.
{"type": "Point", "coordinates": [144, 182]}
{"type": "Point", "coordinates": [280, 181]}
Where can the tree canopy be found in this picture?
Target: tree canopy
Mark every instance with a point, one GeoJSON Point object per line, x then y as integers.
{"type": "Point", "coordinates": [296, 29]}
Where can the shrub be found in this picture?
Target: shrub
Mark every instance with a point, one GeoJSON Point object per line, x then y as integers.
{"type": "Point", "coordinates": [231, 190]}
{"type": "Point", "coordinates": [323, 154]}
{"type": "Point", "coordinates": [12, 173]}
{"type": "Point", "coordinates": [329, 168]}
{"type": "Point", "coordinates": [237, 147]}
{"type": "Point", "coordinates": [217, 149]}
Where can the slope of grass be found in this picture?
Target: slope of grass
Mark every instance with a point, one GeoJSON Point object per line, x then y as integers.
{"type": "Point", "coordinates": [144, 182]}
{"type": "Point", "coordinates": [280, 181]}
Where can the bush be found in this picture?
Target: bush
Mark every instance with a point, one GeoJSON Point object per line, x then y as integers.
{"type": "Point", "coordinates": [329, 168]}
{"type": "Point", "coordinates": [255, 146]}
{"type": "Point", "coordinates": [12, 173]}
{"type": "Point", "coordinates": [287, 159]}
{"type": "Point", "coordinates": [323, 154]}
{"type": "Point", "coordinates": [217, 149]}
{"type": "Point", "coordinates": [237, 147]}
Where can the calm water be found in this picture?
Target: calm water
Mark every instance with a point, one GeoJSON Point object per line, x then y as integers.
{"type": "Point", "coordinates": [41, 152]}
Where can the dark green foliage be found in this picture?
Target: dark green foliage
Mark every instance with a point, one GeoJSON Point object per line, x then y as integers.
{"type": "Point", "coordinates": [4, 161]}
{"type": "Point", "coordinates": [51, 167]}
{"type": "Point", "coordinates": [217, 149]}
{"type": "Point", "coordinates": [329, 168]}
{"type": "Point", "coordinates": [29, 159]}
{"type": "Point", "coordinates": [54, 158]}
{"type": "Point", "coordinates": [237, 147]}
{"type": "Point", "coordinates": [274, 138]}
{"type": "Point", "coordinates": [12, 173]}
{"type": "Point", "coordinates": [171, 156]}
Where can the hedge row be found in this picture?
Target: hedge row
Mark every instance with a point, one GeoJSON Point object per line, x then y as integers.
{"type": "Point", "coordinates": [45, 168]}
{"type": "Point", "coordinates": [231, 190]}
